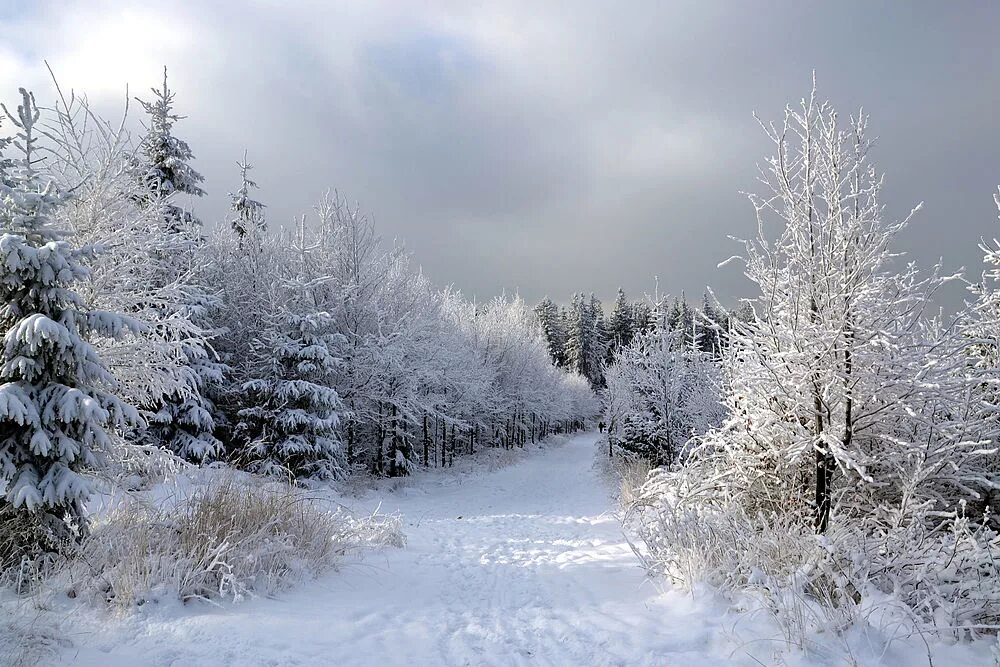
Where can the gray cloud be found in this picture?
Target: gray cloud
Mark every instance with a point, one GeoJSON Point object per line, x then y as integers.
{"type": "Point", "coordinates": [574, 146]}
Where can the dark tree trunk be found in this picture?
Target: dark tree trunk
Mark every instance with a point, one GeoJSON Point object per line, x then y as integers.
{"type": "Point", "coordinates": [451, 460]}
{"type": "Point", "coordinates": [426, 442]}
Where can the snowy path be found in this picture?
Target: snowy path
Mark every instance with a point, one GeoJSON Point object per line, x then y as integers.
{"type": "Point", "coordinates": [521, 566]}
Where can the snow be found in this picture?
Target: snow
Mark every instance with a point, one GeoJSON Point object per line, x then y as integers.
{"type": "Point", "coordinates": [525, 565]}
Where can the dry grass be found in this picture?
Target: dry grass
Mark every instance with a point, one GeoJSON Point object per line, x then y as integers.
{"type": "Point", "coordinates": [233, 537]}
{"type": "Point", "coordinates": [225, 541]}
{"type": "Point", "coordinates": [632, 474]}
{"type": "Point", "coordinates": [625, 471]}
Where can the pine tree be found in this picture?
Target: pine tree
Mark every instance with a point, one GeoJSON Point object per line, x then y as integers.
{"type": "Point", "coordinates": [186, 421]}
{"type": "Point", "coordinates": [248, 223]}
{"type": "Point", "coordinates": [584, 345]}
{"type": "Point", "coordinates": [621, 328]}
{"type": "Point", "coordinates": [164, 168]}
{"type": "Point", "coordinates": [291, 424]}
{"type": "Point", "coordinates": [680, 317]}
{"type": "Point", "coordinates": [643, 319]}
{"type": "Point", "coordinates": [55, 407]}
{"type": "Point", "coordinates": [710, 327]}
{"type": "Point", "coordinates": [598, 349]}
{"type": "Point", "coordinates": [660, 395]}
{"type": "Point", "coordinates": [564, 332]}
{"type": "Point", "coordinates": [577, 338]}
{"type": "Point", "coordinates": [553, 329]}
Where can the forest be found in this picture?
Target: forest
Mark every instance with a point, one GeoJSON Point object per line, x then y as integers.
{"type": "Point", "coordinates": [821, 452]}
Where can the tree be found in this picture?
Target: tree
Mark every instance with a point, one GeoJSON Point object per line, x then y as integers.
{"type": "Point", "coordinates": [621, 328]}
{"type": "Point", "coordinates": [554, 330]}
{"type": "Point", "coordinates": [598, 349]}
{"type": "Point", "coordinates": [164, 169]}
{"type": "Point", "coordinates": [710, 326]}
{"type": "Point", "coordinates": [184, 421]}
{"type": "Point", "coordinates": [643, 320]}
{"type": "Point", "coordinates": [291, 419]}
{"type": "Point", "coordinates": [854, 411]}
{"type": "Point", "coordinates": [585, 340]}
{"type": "Point", "coordinates": [143, 271]}
{"type": "Point", "coordinates": [839, 380]}
{"type": "Point", "coordinates": [660, 395]}
{"type": "Point", "coordinates": [579, 337]}
{"type": "Point", "coordinates": [248, 222]}
{"type": "Point", "coordinates": [56, 407]}
{"type": "Point", "coordinates": [983, 332]}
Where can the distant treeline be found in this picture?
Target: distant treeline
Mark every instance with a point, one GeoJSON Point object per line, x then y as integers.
{"type": "Point", "coordinates": [583, 339]}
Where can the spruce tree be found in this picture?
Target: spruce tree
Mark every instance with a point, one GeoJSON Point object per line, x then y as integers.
{"type": "Point", "coordinates": [620, 325]}
{"type": "Point", "coordinates": [553, 329]}
{"type": "Point", "coordinates": [597, 352]}
{"type": "Point", "coordinates": [576, 336]}
{"type": "Point", "coordinates": [56, 407]}
{"type": "Point", "coordinates": [248, 222]}
{"type": "Point", "coordinates": [643, 320]}
{"type": "Point", "coordinates": [584, 345]}
{"type": "Point", "coordinates": [164, 168]}
{"type": "Point", "coordinates": [680, 318]}
{"type": "Point", "coordinates": [711, 327]}
{"type": "Point", "coordinates": [291, 426]}
{"type": "Point", "coordinates": [186, 421]}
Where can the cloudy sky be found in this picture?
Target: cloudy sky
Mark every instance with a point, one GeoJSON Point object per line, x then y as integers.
{"type": "Point", "coordinates": [576, 146]}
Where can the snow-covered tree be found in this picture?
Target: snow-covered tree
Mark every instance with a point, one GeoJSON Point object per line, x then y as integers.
{"type": "Point", "coordinates": [554, 330]}
{"type": "Point", "coordinates": [186, 420]}
{"type": "Point", "coordinates": [711, 325]}
{"type": "Point", "coordinates": [983, 331]}
{"type": "Point", "coordinates": [661, 394]}
{"type": "Point", "coordinates": [986, 328]}
{"type": "Point", "coordinates": [585, 349]}
{"type": "Point", "coordinates": [642, 317]}
{"type": "Point", "coordinates": [148, 270]}
{"type": "Point", "coordinates": [164, 166]}
{"type": "Point", "coordinates": [248, 221]}
{"type": "Point", "coordinates": [841, 381]}
{"type": "Point", "coordinates": [290, 422]}
{"type": "Point", "coordinates": [621, 328]}
{"type": "Point", "coordinates": [854, 412]}
{"type": "Point", "coordinates": [56, 400]}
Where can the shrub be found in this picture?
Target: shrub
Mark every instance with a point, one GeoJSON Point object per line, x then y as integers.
{"type": "Point", "coordinates": [226, 540]}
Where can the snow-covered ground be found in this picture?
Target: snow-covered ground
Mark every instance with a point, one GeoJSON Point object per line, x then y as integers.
{"type": "Point", "coordinates": [525, 565]}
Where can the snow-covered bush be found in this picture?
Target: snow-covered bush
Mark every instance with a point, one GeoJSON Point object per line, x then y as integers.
{"type": "Point", "coordinates": [935, 572]}
{"type": "Point", "coordinates": [228, 539]}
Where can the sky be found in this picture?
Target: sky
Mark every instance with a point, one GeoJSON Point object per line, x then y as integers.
{"type": "Point", "coordinates": [545, 148]}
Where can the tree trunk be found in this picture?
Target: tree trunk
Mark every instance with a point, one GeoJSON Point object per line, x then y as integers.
{"type": "Point", "coordinates": [350, 442]}
{"type": "Point", "coordinates": [426, 443]}
{"type": "Point", "coordinates": [451, 461]}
